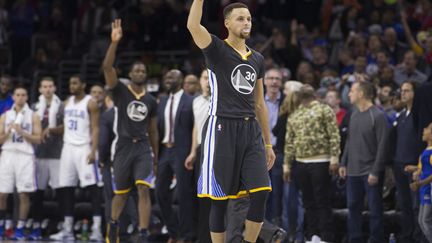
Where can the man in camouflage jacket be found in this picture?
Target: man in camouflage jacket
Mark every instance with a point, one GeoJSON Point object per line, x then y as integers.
{"type": "Point", "coordinates": [313, 141]}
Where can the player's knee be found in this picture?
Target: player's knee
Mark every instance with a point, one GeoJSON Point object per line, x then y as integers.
{"type": "Point", "coordinates": [121, 197]}
{"type": "Point", "coordinates": [3, 197]}
{"type": "Point", "coordinates": [143, 190]}
{"type": "Point", "coordinates": [257, 206]}
{"type": "Point", "coordinates": [24, 196]}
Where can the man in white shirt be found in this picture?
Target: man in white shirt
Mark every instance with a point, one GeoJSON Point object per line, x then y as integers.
{"type": "Point", "coordinates": [20, 129]}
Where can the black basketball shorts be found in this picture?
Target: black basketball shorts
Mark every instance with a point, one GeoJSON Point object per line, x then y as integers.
{"type": "Point", "coordinates": [132, 165]}
{"type": "Point", "coordinates": [233, 160]}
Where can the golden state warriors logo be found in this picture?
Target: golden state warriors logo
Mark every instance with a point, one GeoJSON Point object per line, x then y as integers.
{"type": "Point", "coordinates": [137, 111]}
{"type": "Point", "coordinates": [243, 78]}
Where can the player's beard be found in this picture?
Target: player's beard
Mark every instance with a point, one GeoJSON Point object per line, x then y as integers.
{"type": "Point", "coordinates": [139, 82]}
{"type": "Point", "coordinates": [244, 36]}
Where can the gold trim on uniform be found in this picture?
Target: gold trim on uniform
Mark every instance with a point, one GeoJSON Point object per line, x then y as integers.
{"type": "Point", "coordinates": [240, 194]}
{"type": "Point", "coordinates": [244, 57]}
{"type": "Point", "coordinates": [137, 96]}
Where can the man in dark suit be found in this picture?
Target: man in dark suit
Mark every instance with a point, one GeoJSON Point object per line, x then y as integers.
{"type": "Point", "coordinates": [175, 124]}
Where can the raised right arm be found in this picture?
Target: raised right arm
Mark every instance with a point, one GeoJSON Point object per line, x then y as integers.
{"type": "Point", "coordinates": [199, 33]}
{"type": "Point", "coordinates": [108, 69]}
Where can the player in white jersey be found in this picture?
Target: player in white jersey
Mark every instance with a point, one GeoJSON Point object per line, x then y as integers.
{"type": "Point", "coordinates": [20, 129]}
{"type": "Point", "coordinates": [77, 160]}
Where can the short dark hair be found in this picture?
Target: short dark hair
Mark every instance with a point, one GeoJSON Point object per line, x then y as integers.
{"type": "Point", "coordinates": [98, 85]}
{"type": "Point", "coordinates": [20, 86]}
{"type": "Point", "coordinates": [368, 90]}
{"type": "Point", "coordinates": [388, 84]}
{"type": "Point", "coordinates": [230, 7]}
{"type": "Point", "coordinates": [136, 63]}
{"type": "Point", "coordinates": [47, 78]}
{"type": "Point", "coordinates": [412, 83]}
{"type": "Point", "coordinates": [79, 76]}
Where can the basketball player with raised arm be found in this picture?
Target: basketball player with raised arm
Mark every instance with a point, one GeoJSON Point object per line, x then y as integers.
{"type": "Point", "coordinates": [77, 159]}
{"type": "Point", "coordinates": [20, 129]}
{"type": "Point", "coordinates": [235, 153]}
{"type": "Point", "coordinates": [135, 126]}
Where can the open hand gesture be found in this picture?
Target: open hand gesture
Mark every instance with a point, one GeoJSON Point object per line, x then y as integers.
{"type": "Point", "coordinates": [116, 32]}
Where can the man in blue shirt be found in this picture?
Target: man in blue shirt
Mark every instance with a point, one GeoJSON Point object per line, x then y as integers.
{"type": "Point", "coordinates": [6, 101]}
{"type": "Point", "coordinates": [273, 99]}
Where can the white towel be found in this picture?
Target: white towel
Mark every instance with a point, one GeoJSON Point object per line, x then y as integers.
{"type": "Point", "coordinates": [18, 118]}
{"type": "Point", "coordinates": [53, 110]}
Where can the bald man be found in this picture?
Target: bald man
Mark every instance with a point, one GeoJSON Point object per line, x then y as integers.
{"type": "Point", "coordinates": [175, 124]}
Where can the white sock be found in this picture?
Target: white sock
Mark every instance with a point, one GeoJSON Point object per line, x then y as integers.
{"type": "Point", "coordinates": [2, 222]}
{"type": "Point", "coordinates": [36, 225]}
{"type": "Point", "coordinates": [9, 224]}
{"type": "Point", "coordinates": [68, 223]}
{"type": "Point", "coordinates": [97, 221]}
{"type": "Point", "coordinates": [21, 224]}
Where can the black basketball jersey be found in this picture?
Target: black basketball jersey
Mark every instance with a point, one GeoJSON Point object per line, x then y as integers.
{"type": "Point", "coordinates": [133, 112]}
{"type": "Point", "coordinates": [232, 79]}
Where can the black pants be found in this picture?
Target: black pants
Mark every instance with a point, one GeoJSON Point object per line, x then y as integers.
{"type": "Point", "coordinates": [314, 182]}
{"type": "Point", "coordinates": [183, 225]}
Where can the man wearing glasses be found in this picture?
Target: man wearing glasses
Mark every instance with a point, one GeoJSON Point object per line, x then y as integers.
{"type": "Point", "coordinates": [273, 99]}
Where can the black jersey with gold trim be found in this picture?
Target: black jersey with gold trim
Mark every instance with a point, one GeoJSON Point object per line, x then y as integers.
{"type": "Point", "coordinates": [232, 78]}
{"type": "Point", "coordinates": [133, 112]}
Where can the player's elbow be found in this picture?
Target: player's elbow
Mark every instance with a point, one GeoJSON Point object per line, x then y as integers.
{"type": "Point", "coordinates": [193, 26]}
{"type": "Point", "coordinates": [190, 24]}
{"type": "Point", "coordinates": [106, 68]}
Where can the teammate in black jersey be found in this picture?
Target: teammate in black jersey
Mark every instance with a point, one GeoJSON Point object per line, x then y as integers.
{"type": "Point", "coordinates": [235, 159]}
{"type": "Point", "coordinates": [136, 138]}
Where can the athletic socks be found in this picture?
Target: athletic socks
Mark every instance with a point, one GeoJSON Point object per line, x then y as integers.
{"type": "Point", "coordinates": [68, 223]}
{"type": "Point", "coordinates": [9, 224]}
{"type": "Point", "coordinates": [97, 222]}
{"type": "Point", "coordinates": [20, 224]}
